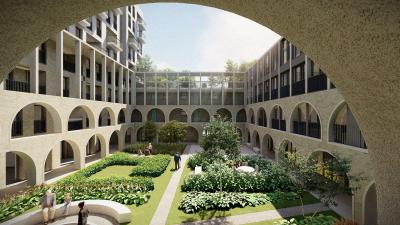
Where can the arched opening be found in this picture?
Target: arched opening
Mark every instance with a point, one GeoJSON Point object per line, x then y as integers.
{"type": "Point", "coordinates": [224, 113]}
{"type": "Point", "coordinates": [178, 115]}
{"type": "Point", "coordinates": [248, 138]}
{"type": "Point", "coordinates": [121, 116]}
{"type": "Point", "coordinates": [192, 136]}
{"type": "Point", "coordinates": [344, 128]}
{"type": "Point", "coordinates": [114, 142]}
{"type": "Point", "coordinates": [251, 116]}
{"type": "Point", "coordinates": [287, 147]}
{"type": "Point", "coordinates": [80, 118]}
{"type": "Point", "coordinates": [105, 118]}
{"type": "Point", "coordinates": [140, 135]}
{"type": "Point", "coordinates": [370, 206]}
{"type": "Point", "coordinates": [239, 131]}
{"type": "Point", "coordinates": [277, 119]}
{"type": "Point", "coordinates": [129, 136]}
{"type": "Point", "coordinates": [305, 121]}
{"type": "Point", "coordinates": [35, 119]}
{"type": "Point", "coordinates": [267, 149]}
{"type": "Point", "coordinates": [256, 141]}
{"type": "Point", "coordinates": [156, 116]}
{"type": "Point", "coordinates": [20, 169]}
{"type": "Point", "coordinates": [136, 116]}
{"type": "Point", "coordinates": [93, 149]}
{"type": "Point", "coordinates": [262, 117]}
{"type": "Point", "coordinates": [241, 116]}
{"type": "Point", "coordinates": [200, 116]}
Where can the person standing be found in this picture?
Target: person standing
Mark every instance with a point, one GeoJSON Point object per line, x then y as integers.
{"type": "Point", "coordinates": [67, 203]}
{"type": "Point", "coordinates": [48, 202]}
{"type": "Point", "coordinates": [83, 214]}
{"type": "Point", "coordinates": [177, 159]}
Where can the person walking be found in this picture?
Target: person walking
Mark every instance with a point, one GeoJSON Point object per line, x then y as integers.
{"type": "Point", "coordinates": [83, 214]}
{"type": "Point", "coordinates": [177, 159]}
{"type": "Point", "coordinates": [48, 202]}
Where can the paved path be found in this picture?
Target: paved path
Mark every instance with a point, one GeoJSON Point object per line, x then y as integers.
{"type": "Point", "coordinates": [161, 214]}
{"type": "Point", "coordinates": [93, 219]}
{"type": "Point", "coordinates": [261, 216]}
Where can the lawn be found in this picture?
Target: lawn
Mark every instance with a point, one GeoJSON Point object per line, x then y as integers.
{"type": "Point", "coordinates": [177, 216]}
{"type": "Point", "coordinates": [114, 171]}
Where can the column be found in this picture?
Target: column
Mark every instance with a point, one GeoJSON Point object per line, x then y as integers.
{"type": "Point", "coordinates": [306, 75]}
{"type": "Point", "coordinates": [92, 74]}
{"type": "Point", "coordinates": [103, 78]}
{"type": "Point", "coordinates": [279, 70]}
{"type": "Point", "coordinates": [290, 69]}
{"type": "Point", "coordinates": [3, 174]}
{"type": "Point", "coordinates": [120, 88]}
{"type": "Point", "coordinates": [56, 156]}
{"type": "Point", "coordinates": [58, 85]}
{"type": "Point", "coordinates": [34, 72]}
{"type": "Point", "coordinates": [78, 73]}
{"type": "Point", "coordinates": [127, 86]}
{"type": "Point", "coordinates": [131, 87]}
{"type": "Point", "coordinates": [113, 82]}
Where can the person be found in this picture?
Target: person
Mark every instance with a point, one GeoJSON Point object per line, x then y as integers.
{"type": "Point", "coordinates": [177, 159]}
{"type": "Point", "coordinates": [67, 203]}
{"type": "Point", "coordinates": [83, 214]}
{"type": "Point", "coordinates": [150, 148]}
{"type": "Point", "coordinates": [48, 202]}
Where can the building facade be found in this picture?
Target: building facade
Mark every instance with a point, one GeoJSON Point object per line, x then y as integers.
{"type": "Point", "coordinates": [77, 97]}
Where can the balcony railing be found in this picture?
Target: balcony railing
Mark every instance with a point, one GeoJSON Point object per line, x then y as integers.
{"type": "Point", "coordinates": [317, 83]}
{"type": "Point", "coordinates": [260, 98]}
{"type": "Point", "coordinates": [75, 125]}
{"type": "Point", "coordinates": [42, 89]}
{"type": "Point", "coordinates": [13, 85]}
{"type": "Point", "coordinates": [69, 66]}
{"type": "Point", "coordinates": [314, 130]}
{"type": "Point", "coordinates": [98, 76]}
{"type": "Point", "coordinates": [98, 97]}
{"type": "Point", "coordinates": [39, 126]}
{"type": "Point", "coordinates": [285, 91]}
{"type": "Point", "coordinates": [299, 127]}
{"type": "Point", "coordinates": [42, 56]}
{"type": "Point", "coordinates": [16, 129]}
{"type": "Point", "coordinates": [278, 124]}
{"type": "Point", "coordinates": [342, 135]}
{"type": "Point", "coordinates": [88, 96]}
{"type": "Point", "coordinates": [109, 98]}
{"type": "Point", "coordinates": [66, 93]}
{"type": "Point", "coordinates": [266, 96]}
{"type": "Point", "coordinates": [274, 94]}
{"type": "Point", "coordinates": [298, 88]}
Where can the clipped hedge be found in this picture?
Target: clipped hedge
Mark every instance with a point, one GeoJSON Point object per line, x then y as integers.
{"type": "Point", "coordinates": [152, 166]}
{"type": "Point", "coordinates": [134, 148]}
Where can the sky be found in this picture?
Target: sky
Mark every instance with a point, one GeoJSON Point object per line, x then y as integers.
{"type": "Point", "coordinates": [199, 38]}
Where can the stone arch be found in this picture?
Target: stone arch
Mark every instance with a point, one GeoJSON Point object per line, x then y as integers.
{"type": "Point", "coordinates": [179, 115]}
{"type": "Point", "coordinates": [268, 149]}
{"type": "Point", "coordinates": [95, 148]}
{"type": "Point", "coordinates": [136, 116]}
{"type": "Point", "coordinates": [19, 167]}
{"type": "Point", "coordinates": [224, 113]}
{"type": "Point", "coordinates": [251, 116]}
{"type": "Point", "coordinates": [129, 134]}
{"type": "Point", "coordinates": [140, 135]}
{"type": "Point", "coordinates": [241, 116]}
{"type": "Point", "coordinates": [122, 116]}
{"type": "Point", "coordinates": [106, 117]}
{"type": "Point", "coordinates": [256, 140]}
{"type": "Point", "coordinates": [262, 117]}
{"type": "Point", "coordinates": [344, 129]}
{"type": "Point", "coordinates": [370, 210]}
{"type": "Point", "coordinates": [247, 136]}
{"type": "Point", "coordinates": [200, 116]}
{"type": "Point", "coordinates": [305, 120]}
{"type": "Point", "coordinates": [278, 121]}
{"type": "Point", "coordinates": [192, 135]}
{"type": "Point", "coordinates": [81, 117]}
{"type": "Point", "coordinates": [156, 115]}
{"type": "Point", "coordinates": [114, 142]}
{"type": "Point", "coordinates": [46, 120]}
{"type": "Point", "coordinates": [287, 146]}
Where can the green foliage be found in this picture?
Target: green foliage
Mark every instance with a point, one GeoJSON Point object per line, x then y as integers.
{"type": "Point", "coordinates": [161, 148]}
{"type": "Point", "coordinates": [221, 134]}
{"type": "Point", "coordinates": [233, 67]}
{"type": "Point", "coordinates": [220, 177]}
{"type": "Point", "coordinates": [309, 220]}
{"type": "Point", "coordinates": [150, 131]}
{"type": "Point", "coordinates": [152, 166]}
{"type": "Point", "coordinates": [145, 64]}
{"type": "Point", "coordinates": [205, 158]}
{"type": "Point", "coordinates": [135, 148]}
{"type": "Point", "coordinates": [198, 201]}
{"type": "Point", "coordinates": [173, 132]}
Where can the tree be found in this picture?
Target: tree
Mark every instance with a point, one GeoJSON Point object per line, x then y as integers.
{"type": "Point", "coordinates": [173, 132]}
{"type": "Point", "coordinates": [231, 66]}
{"type": "Point", "coordinates": [221, 134]}
{"type": "Point", "coordinates": [244, 66]}
{"type": "Point", "coordinates": [145, 64]}
{"type": "Point", "coordinates": [150, 131]}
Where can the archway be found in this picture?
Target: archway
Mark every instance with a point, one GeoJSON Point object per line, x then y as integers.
{"type": "Point", "coordinates": [80, 118]}
{"type": "Point", "coordinates": [251, 116]}
{"type": "Point", "coordinates": [305, 121]}
{"type": "Point", "coordinates": [114, 142]}
{"type": "Point", "coordinates": [140, 135]}
{"type": "Point", "coordinates": [241, 116]}
{"type": "Point", "coordinates": [156, 116]}
{"type": "Point", "coordinates": [136, 116]}
{"type": "Point", "coordinates": [105, 118]}
{"type": "Point", "coordinates": [277, 119]}
{"type": "Point", "coordinates": [179, 115]}
{"type": "Point", "coordinates": [370, 210]}
{"type": "Point", "coordinates": [261, 117]}
{"type": "Point", "coordinates": [200, 116]}
{"type": "Point", "coordinates": [225, 114]}
{"type": "Point", "coordinates": [129, 136]}
{"type": "Point", "coordinates": [20, 167]}
{"type": "Point", "coordinates": [286, 147]}
{"type": "Point", "coordinates": [256, 141]}
{"type": "Point", "coordinates": [122, 116]}
{"type": "Point", "coordinates": [93, 148]}
{"type": "Point", "coordinates": [267, 149]}
{"type": "Point", "coordinates": [192, 136]}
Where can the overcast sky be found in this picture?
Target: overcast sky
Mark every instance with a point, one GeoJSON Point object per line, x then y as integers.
{"type": "Point", "coordinates": [199, 38]}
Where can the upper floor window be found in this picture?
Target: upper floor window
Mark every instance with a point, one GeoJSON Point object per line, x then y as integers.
{"type": "Point", "coordinates": [98, 27]}
{"type": "Point", "coordinates": [298, 73]}
{"type": "Point", "coordinates": [78, 32]}
{"type": "Point", "coordinates": [284, 52]}
{"type": "Point", "coordinates": [90, 27]}
{"type": "Point", "coordinates": [115, 24]}
{"type": "Point", "coordinates": [284, 78]}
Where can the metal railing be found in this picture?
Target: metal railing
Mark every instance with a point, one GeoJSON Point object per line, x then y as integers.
{"type": "Point", "coordinates": [42, 89]}
{"type": "Point", "coordinates": [13, 85]}
{"type": "Point", "coordinates": [317, 83]}
{"type": "Point", "coordinates": [285, 91]}
{"type": "Point", "coordinates": [343, 135]}
{"type": "Point", "coordinates": [66, 93]}
{"type": "Point", "coordinates": [42, 56]}
{"type": "Point", "coordinates": [69, 66]}
{"type": "Point", "coordinates": [298, 87]}
{"type": "Point", "coordinates": [75, 125]}
{"type": "Point", "coordinates": [274, 94]}
{"type": "Point", "coordinates": [39, 126]}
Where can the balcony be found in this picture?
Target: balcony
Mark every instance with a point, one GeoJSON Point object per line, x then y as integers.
{"type": "Point", "coordinates": [299, 127]}
{"type": "Point", "coordinates": [42, 56]}
{"type": "Point", "coordinates": [114, 43]}
{"type": "Point", "coordinates": [109, 98]}
{"type": "Point", "coordinates": [314, 130]}
{"type": "Point", "coordinates": [75, 125]}
{"type": "Point", "coordinates": [103, 16]}
{"type": "Point", "coordinates": [98, 76]}
{"type": "Point", "coordinates": [87, 96]}
{"type": "Point", "coordinates": [274, 94]}
{"type": "Point", "coordinates": [317, 83]}
{"type": "Point", "coordinates": [84, 23]}
{"type": "Point", "coordinates": [142, 37]}
{"type": "Point", "coordinates": [13, 85]}
{"type": "Point", "coordinates": [298, 88]}
{"type": "Point", "coordinates": [285, 91]}
{"type": "Point", "coordinates": [279, 124]}
{"type": "Point", "coordinates": [98, 97]}
{"type": "Point", "coordinates": [66, 93]}
{"type": "Point", "coordinates": [39, 126]}
{"type": "Point", "coordinates": [343, 135]}
{"type": "Point", "coordinates": [259, 98]}
{"type": "Point", "coordinates": [266, 96]}
{"type": "Point", "coordinates": [42, 89]}
{"type": "Point", "coordinates": [133, 43]}
{"type": "Point", "coordinates": [69, 66]}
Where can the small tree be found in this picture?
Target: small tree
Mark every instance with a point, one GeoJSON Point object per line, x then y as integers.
{"type": "Point", "coordinates": [221, 134]}
{"type": "Point", "coordinates": [145, 64]}
{"type": "Point", "coordinates": [150, 131]}
{"type": "Point", "coordinates": [173, 132]}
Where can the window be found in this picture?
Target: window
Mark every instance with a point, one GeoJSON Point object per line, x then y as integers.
{"type": "Point", "coordinates": [274, 82]}
{"type": "Point", "coordinates": [295, 52]}
{"type": "Point", "coordinates": [78, 32]}
{"type": "Point", "coordinates": [315, 69]}
{"type": "Point", "coordinates": [298, 73]}
{"type": "Point", "coordinates": [115, 24]}
{"type": "Point", "coordinates": [109, 17]}
{"type": "Point", "coordinates": [98, 27]}
{"type": "Point", "coordinates": [285, 79]}
{"type": "Point", "coordinates": [284, 52]}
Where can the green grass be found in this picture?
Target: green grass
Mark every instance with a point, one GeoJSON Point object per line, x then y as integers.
{"type": "Point", "coordinates": [114, 171]}
{"type": "Point", "coordinates": [177, 216]}
{"type": "Point", "coordinates": [272, 222]}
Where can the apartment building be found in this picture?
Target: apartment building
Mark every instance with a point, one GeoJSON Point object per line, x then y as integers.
{"type": "Point", "coordinates": [77, 98]}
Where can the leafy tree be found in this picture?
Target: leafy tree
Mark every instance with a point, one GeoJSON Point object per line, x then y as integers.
{"type": "Point", "coordinates": [173, 132]}
{"type": "Point", "coordinates": [221, 134]}
{"type": "Point", "coordinates": [244, 66]}
{"type": "Point", "coordinates": [150, 131]}
{"type": "Point", "coordinates": [233, 67]}
{"type": "Point", "coordinates": [145, 64]}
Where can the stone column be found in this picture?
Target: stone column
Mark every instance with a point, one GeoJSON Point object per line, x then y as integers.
{"type": "Point", "coordinates": [113, 82]}
{"type": "Point", "coordinates": [127, 87]}
{"type": "Point", "coordinates": [120, 88]}
{"type": "Point", "coordinates": [132, 76]}
{"type": "Point", "coordinates": [306, 73]}
{"type": "Point", "coordinates": [56, 156]}
{"type": "Point", "coordinates": [34, 71]}
{"type": "Point", "coordinates": [3, 162]}
{"type": "Point", "coordinates": [76, 90]}
{"type": "Point", "coordinates": [290, 69]}
{"type": "Point", "coordinates": [58, 85]}
{"type": "Point", "coordinates": [103, 78]}
{"type": "Point", "coordinates": [92, 74]}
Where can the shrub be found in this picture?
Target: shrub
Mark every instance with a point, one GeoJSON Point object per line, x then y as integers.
{"type": "Point", "coordinates": [221, 134]}
{"type": "Point", "coordinates": [151, 166]}
{"type": "Point", "coordinates": [150, 131]}
{"type": "Point", "coordinates": [172, 132]}
{"type": "Point", "coordinates": [134, 148]}
{"type": "Point", "coordinates": [206, 158]}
